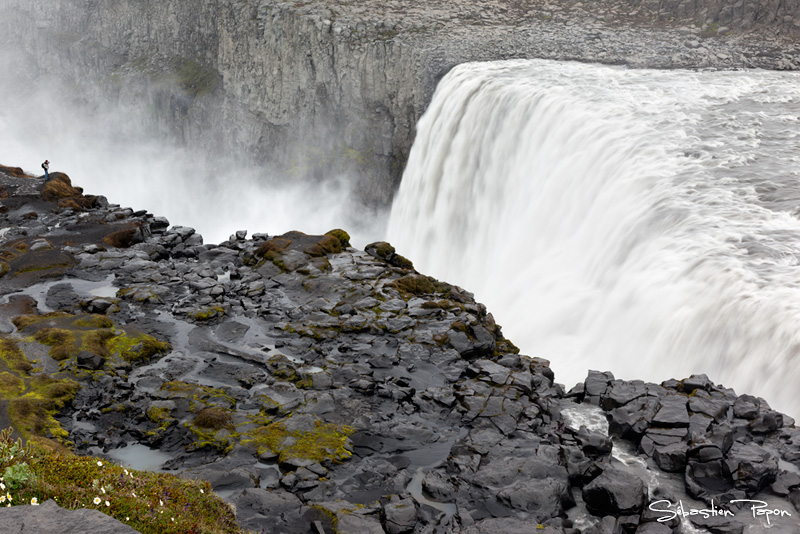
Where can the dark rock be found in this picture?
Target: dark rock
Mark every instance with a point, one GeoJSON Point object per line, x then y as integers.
{"type": "Point", "coordinates": [746, 407]}
{"type": "Point", "coordinates": [785, 482]}
{"type": "Point", "coordinates": [717, 524]}
{"type": "Point", "coordinates": [616, 492]}
{"type": "Point", "coordinates": [695, 382]}
{"type": "Point", "coordinates": [542, 498]}
{"type": "Point", "coordinates": [506, 525]}
{"type": "Point", "coordinates": [88, 360]}
{"type": "Point", "coordinates": [671, 458]}
{"type": "Point", "coordinates": [596, 385]}
{"type": "Point", "coordinates": [766, 422]}
{"type": "Point", "coordinates": [256, 507]}
{"type": "Point", "coordinates": [401, 516]}
{"type": "Point", "coordinates": [621, 393]}
{"type": "Point", "coordinates": [594, 444]}
{"type": "Point", "coordinates": [704, 475]}
{"type": "Point", "coordinates": [751, 467]}
{"type": "Point", "coordinates": [49, 518]}
{"type": "Point", "coordinates": [633, 419]}
{"type": "Point", "coordinates": [653, 528]}
{"type": "Point", "coordinates": [672, 412]}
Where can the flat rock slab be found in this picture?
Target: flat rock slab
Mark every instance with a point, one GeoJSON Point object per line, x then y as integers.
{"type": "Point", "coordinates": [49, 518]}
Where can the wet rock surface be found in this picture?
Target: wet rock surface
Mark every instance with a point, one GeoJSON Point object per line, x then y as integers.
{"type": "Point", "coordinates": [311, 382]}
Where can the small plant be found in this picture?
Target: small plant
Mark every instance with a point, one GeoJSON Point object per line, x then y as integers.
{"type": "Point", "coordinates": [13, 462]}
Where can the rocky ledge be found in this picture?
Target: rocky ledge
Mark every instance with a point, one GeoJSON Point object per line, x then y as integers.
{"type": "Point", "coordinates": [314, 385]}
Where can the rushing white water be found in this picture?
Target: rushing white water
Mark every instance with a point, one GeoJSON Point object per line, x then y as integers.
{"type": "Point", "coordinates": [641, 222]}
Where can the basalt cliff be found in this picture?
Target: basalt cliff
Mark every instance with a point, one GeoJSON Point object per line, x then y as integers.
{"type": "Point", "coordinates": [315, 86]}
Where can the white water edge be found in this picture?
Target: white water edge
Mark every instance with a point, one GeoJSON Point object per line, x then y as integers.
{"type": "Point", "coordinates": [637, 221]}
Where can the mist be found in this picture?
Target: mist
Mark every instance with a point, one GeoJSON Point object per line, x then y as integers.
{"type": "Point", "coordinates": [114, 148]}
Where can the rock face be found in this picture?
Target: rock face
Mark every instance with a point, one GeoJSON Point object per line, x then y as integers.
{"type": "Point", "coordinates": [49, 518]}
{"type": "Point", "coordinates": [322, 87]}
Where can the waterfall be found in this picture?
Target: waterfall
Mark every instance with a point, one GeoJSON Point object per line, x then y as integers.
{"type": "Point", "coordinates": [642, 222]}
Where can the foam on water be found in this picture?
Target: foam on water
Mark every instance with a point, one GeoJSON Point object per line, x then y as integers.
{"type": "Point", "coordinates": [642, 222]}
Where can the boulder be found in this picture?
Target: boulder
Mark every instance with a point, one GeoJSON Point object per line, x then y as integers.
{"type": "Point", "coordinates": [49, 518]}
{"type": "Point", "coordinates": [615, 492]}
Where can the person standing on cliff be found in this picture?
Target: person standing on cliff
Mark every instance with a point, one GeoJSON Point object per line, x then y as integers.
{"type": "Point", "coordinates": [46, 167]}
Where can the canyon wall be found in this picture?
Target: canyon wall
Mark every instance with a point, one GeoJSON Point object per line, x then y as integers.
{"type": "Point", "coordinates": [315, 88]}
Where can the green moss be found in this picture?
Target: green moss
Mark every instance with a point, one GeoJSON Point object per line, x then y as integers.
{"type": "Point", "coordinates": [4, 268]}
{"type": "Point", "coordinates": [95, 341]}
{"type": "Point", "coordinates": [214, 418]}
{"type": "Point", "coordinates": [137, 347]}
{"type": "Point", "coordinates": [11, 385]}
{"type": "Point", "coordinates": [402, 262]}
{"type": "Point", "coordinates": [460, 327]}
{"type": "Point", "coordinates": [93, 333]}
{"type": "Point", "coordinates": [94, 321]}
{"type": "Point", "coordinates": [159, 415]}
{"type": "Point", "coordinates": [206, 314]}
{"type": "Point", "coordinates": [24, 321]}
{"type": "Point", "coordinates": [13, 358]}
{"type": "Point", "coordinates": [195, 79]}
{"type": "Point", "coordinates": [439, 304]}
{"type": "Point", "coordinates": [61, 342]}
{"type": "Point", "coordinates": [419, 285]}
{"type": "Point", "coordinates": [204, 395]}
{"type": "Point", "coordinates": [115, 408]}
{"type": "Point", "coordinates": [34, 412]}
{"type": "Point", "coordinates": [150, 503]}
{"type": "Point", "coordinates": [46, 267]}
{"type": "Point", "coordinates": [341, 235]}
{"type": "Point", "coordinates": [326, 442]}
{"type": "Point", "coordinates": [326, 245]}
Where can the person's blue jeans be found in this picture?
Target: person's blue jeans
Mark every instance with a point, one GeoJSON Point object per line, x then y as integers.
{"type": "Point", "coordinates": [46, 175]}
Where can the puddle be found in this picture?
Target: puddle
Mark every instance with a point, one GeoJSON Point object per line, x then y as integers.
{"type": "Point", "coordinates": [139, 457]}
{"type": "Point", "coordinates": [414, 489]}
{"type": "Point", "coordinates": [39, 291]}
{"type": "Point", "coordinates": [426, 458]}
{"type": "Point", "coordinates": [105, 291]}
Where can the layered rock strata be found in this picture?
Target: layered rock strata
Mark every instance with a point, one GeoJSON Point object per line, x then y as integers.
{"type": "Point", "coordinates": [319, 88]}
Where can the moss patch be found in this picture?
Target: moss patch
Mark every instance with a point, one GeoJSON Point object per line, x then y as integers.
{"type": "Point", "coordinates": [195, 79]}
{"type": "Point", "coordinates": [341, 235]}
{"type": "Point", "coordinates": [61, 342]}
{"type": "Point", "coordinates": [11, 385]}
{"type": "Point", "coordinates": [16, 172]}
{"type": "Point", "coordinates": [33, 413]}
{"type": "Point", "coordinates": [123, 238]}
{"type": "Point", "coordinates": [414, 285]}
{"type": "Point", "coordinates": [206, 314]}
{"type": "Point", "coordinates": [151, 503]}
{"type": "Point", "coordinates": [12, 358]}
{"type": "Point", "coordinates": [59, 186]}
{"type": "Point", "coordinates": [325, 442]}
{"type": "Point", "coordinates": [70, 334]}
